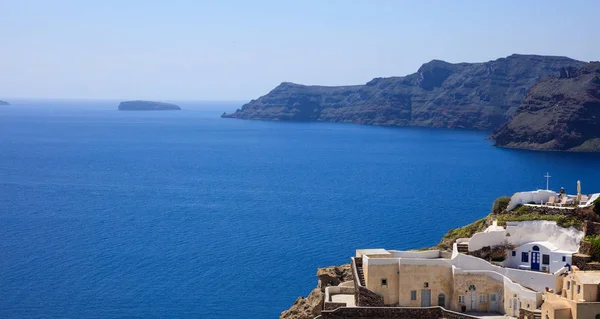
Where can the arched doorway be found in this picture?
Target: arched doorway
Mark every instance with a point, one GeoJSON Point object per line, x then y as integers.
{"type": "Point", "coordinates": [472, 298]}
{"type": "Point", "coordinates": [442, 300]}
{"type": "Point", "coordinates": [535, 258]}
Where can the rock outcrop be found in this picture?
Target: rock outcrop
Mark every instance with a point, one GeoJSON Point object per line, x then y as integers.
{"type": "Point", "coordinates": [439, 94]}
{"type": "Point", "coordinates": [147, 106]}
{"type": "Point", "coordinates": [4, 103]}
{"type": "Point", "coordinates": [561, 113]}
{"type": "Point", "coordinates": [311, 306]}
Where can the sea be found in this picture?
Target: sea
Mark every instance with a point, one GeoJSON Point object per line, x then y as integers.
{"type": "Point", "coordinates": [183, 214]}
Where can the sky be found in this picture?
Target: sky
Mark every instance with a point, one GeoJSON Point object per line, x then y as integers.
{"type": "Point", "coordinates": [240, 50]}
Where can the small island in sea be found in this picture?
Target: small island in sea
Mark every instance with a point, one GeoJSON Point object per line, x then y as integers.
{"type": "Point", "coordinates": [147, 106]}
{"type": "Point", "coordinates": [4, 103]}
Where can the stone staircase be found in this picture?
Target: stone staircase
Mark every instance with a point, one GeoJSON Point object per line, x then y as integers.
{"type": "Point", "coordinates": [359, 270]}
{"type": "Point", "coordinates": [463, 248]}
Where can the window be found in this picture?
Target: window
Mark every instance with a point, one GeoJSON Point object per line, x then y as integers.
{"type": "Point", "coordinates": [536, 248]}
{"type": "Point", "coordinates": [578, 289]}
{"type": "Point", "coordinates": [545, 259]}
{"type": "Point", "coordinates": [564, 258]}
{"type": "Point", "coordinates": [514, 253]}
{"type": "Point", "coordinates": [413, 295]}
{"type": "Point", "coordinates": [461, 299]}
{"type": "Point", "coordinates": [482, 299]}
{"type": "Point", "coordinates": [472, 288]}
{"type": "Point", "coordinates": [426, 285]}
{"type": "Point", "coordinates": [524, 257]}
{"type": "Point", "coordinates": [568, 285]}
{"type": "Point", "coordinates": [384, 281]}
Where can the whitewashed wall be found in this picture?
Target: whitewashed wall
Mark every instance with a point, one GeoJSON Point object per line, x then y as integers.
{"type": "Point", "coordinates": [567, 239]}
{"type": "Point", "coordinates": [539, 196]}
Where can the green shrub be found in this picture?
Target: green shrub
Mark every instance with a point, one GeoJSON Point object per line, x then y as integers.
{"type": "Point", "coordinates": [522, 209]}
{"type": "Point", "coordinates": [466, 231]}
{"type": "Point", "coordinates": [565, 221]}
{"type": "Point", "coordinates": [595, 247]}
{"type": "Point", "coordinates": [500, 204]}
{"type": "Point", "coordinates": [597, 206]}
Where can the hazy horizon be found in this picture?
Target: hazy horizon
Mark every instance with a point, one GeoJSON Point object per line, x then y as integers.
{"type": "Point", "coordinates": [237, 51]}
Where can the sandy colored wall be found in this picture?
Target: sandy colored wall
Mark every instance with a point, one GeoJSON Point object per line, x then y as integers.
{"type": "Point", "coordinates": [414, 277]}
{"type": "Point", "coordinates": [373, 282]}
{"type": "Point", "coordinates": [484, 286]}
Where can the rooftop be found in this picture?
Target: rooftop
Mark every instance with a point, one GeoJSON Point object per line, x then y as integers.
{"type": "Point", "coordinates": [588, 277]}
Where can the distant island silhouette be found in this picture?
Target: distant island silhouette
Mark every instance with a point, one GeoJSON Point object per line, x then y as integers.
{"type": "Point", "coordinates": [138, 105]}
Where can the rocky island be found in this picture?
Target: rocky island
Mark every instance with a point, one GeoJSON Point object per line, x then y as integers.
{"type": "Point", "coordinates": [561, 113]}
{"type": "Point", "coordinates": [147, 106]}
{"type": "Point", "coordinates": [440, 94]}
{"type": "Point", "coordinates": [4, 103]}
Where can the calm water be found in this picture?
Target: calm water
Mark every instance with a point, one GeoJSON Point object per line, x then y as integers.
{"type": "Point", "coordinates": [107, 214]}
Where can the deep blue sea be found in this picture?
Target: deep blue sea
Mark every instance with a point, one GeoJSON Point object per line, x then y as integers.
{"type": "Point", "coordinates": [107, 214]}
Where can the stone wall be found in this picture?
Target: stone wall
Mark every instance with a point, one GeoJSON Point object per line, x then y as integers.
{"type": "Point", "coordinates": [367, 298]}
{"type": "Point", "coordinates": [393, 313]}
{"type": "Point", "coordinates": [584, 262]}
{"type": "Point", "coordinates": [591, 228]}
{"type": "Point", "coordinates": [526, 314]}
{"type": "Point", "coordinates": [333, 305]}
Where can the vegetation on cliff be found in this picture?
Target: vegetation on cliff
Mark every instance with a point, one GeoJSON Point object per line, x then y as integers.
{"type": "Point", "coordinates": [561, 113]}
{"type": "Point", "coordinates": [439, 94]}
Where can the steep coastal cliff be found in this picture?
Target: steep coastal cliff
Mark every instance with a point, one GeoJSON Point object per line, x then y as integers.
{"type": "Point", "coordinates": [147, 106]}
{"type": "Point", "coordinates": [560, 113]}
{"type": "Point", "coordinates": [439, 94]}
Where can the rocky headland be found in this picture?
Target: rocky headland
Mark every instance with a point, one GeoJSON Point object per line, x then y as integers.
{"type": "Point", "coordinates": [440, 94]}
{"type": "Point", "coordinates": [147, 106]}
{"type": "Point", "coordinates": [4, 103]}
{"type": "Point", "coordinates": [559, 113]}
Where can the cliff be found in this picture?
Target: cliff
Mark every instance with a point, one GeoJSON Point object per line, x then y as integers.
{"type": "Point", "coordinates": [4, 103]}
{"type": "Point", "coordinates": [147, 106]}
{"type": "Point", "coordinates": [311, 306]}
{"type": "Point", "coordinates": [561, 113]}
{"type": "Point", "coordinates": [439, 94]}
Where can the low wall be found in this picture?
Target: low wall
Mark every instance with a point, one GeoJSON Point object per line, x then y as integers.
{"type": "Point", "coordinates": [526, 314]}
{"type": "Point", "coordinates": [426, 254]}
{"type": "Point", "coordinates": [483, 239]}
{"type": "Point", "coordinates": [393, 313]}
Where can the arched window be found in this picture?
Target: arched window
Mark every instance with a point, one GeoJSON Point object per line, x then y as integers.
{"type": "Point", "coordinates": [598, 316]}
{"type": "Point", "coordinates": [536, 248]}
{"type": "Point", "coordinates": [472, 288]}
{"type": "Point", "coordinates": [442, 300]}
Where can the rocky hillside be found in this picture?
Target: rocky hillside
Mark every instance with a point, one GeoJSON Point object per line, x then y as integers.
{"type": "Point", "coordinates": [311, 306]}
{"type": "Point", "coordinates": [439, 94]}
{"type": "Point", "coordinates": [560, 113]}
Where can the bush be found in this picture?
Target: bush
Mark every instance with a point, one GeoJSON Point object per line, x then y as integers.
{"type": "Point", "coordinates": [565, 221]}
{"type": "Point", "coordinates": [597, 206]}
{"type": "Point", "coordinates": [500, 204]}
{"type": "Point", "coordinates": [595, 247]}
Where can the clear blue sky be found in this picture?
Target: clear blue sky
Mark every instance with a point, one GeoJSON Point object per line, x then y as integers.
{"type": "Point", "coordinates": [238, 50]}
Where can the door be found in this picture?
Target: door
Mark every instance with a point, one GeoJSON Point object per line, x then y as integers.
{"type": "Point", "coordinates": [472, 301]}
{"type": "Point", "coordinates": [425, 298]}
{"type": "Point", "coordinates": [515, 305]}
{"type": "Point", "coordinates": [493, 303]}
{"type": "Point", "coordinates": [535, 260]}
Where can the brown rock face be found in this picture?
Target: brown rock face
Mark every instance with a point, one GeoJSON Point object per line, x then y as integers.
{"type": "Point", "coordinates": [311, 306]}
{"type": "Point", "coordinates": [439, 94]}
{"type": "Point", "coordinates": [561, 113]}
